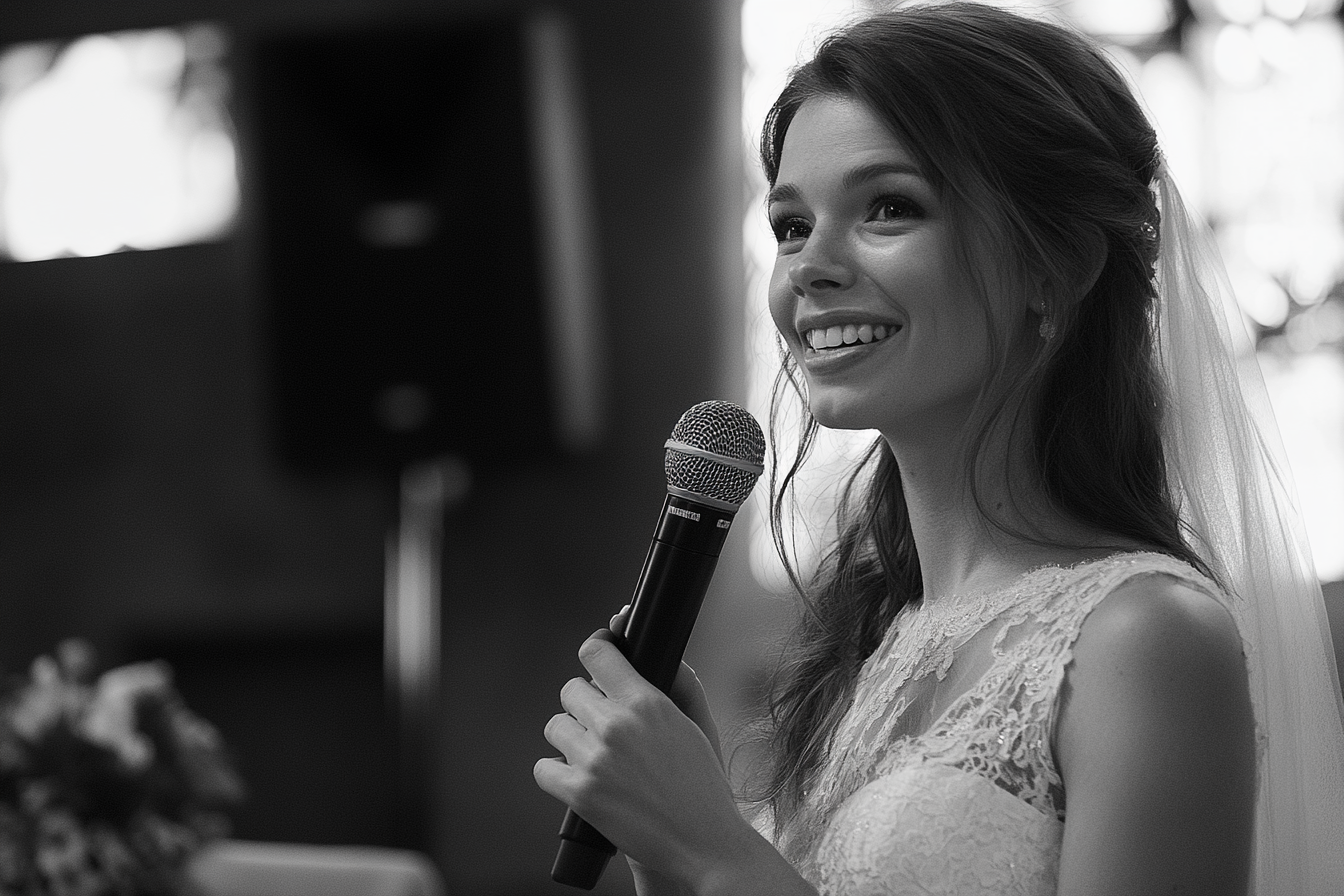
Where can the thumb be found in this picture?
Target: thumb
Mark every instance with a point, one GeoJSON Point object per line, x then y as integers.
{"type": "Point", "coordinates": [689, 695]}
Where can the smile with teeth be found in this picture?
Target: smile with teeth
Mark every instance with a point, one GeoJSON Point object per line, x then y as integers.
{"type": "Point", "coordinates": [849, 334]}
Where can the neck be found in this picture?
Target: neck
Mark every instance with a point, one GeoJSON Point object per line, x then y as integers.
{"type": "Point", "coordinates": [961, 549]}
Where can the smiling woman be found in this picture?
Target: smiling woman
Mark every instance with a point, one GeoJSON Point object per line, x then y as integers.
{"type": "Point", "coordinates": [1250, 104]}
{"type": "Point", "coordinates": [1064, 619]}
{"type": "Point", "coordinates": [865, 243]}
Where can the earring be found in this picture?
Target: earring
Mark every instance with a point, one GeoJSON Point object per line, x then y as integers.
{"type": "Point", "coordinates": [1048, 329]}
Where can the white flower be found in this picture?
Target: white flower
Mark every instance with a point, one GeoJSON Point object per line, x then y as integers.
{"type": "Point", "coordinates": [112, 716]}
{"type": "Point", "coordinates": [44, 701]}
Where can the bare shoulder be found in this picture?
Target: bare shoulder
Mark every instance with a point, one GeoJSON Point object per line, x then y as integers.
{"type": "Point", "coordinates": [1155, 743]}
{"type": "Point", "coordinates": [1161, 654]}
{"type": "Point", "coordinates": [1160, 625]}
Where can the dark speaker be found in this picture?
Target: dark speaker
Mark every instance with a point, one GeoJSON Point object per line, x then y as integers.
{"type": "Point", "coordinates": [419, 301]}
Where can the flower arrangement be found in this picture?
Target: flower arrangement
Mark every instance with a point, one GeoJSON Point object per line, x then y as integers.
{"type": "Point", "coordinates": [107, 785]}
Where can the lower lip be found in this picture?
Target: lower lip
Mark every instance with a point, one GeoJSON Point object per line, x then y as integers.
{"type": "Point", "coordinates": [835, 359]}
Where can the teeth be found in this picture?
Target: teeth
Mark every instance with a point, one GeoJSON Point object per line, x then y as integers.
{"type": "Point", "coordinates": [849, 334]}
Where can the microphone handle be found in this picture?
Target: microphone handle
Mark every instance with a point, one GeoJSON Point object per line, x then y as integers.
{"type": "Point", "coordinates": [672, 585]}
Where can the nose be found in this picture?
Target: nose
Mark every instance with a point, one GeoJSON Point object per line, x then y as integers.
{"type": "Point", "coordinates": [820, 267]}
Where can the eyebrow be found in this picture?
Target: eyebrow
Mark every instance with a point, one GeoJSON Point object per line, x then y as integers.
{"type": "Point", "coordinates": [864, 173]}
{"type": "Point", "coordinates": [855, 177]}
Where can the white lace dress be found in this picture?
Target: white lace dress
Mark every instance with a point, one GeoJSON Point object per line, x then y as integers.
{"type": "Point", "coordinates": [941, 778]}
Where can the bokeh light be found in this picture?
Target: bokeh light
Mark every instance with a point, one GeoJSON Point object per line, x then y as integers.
{"type": "Point", "coordinates": [117, 141]}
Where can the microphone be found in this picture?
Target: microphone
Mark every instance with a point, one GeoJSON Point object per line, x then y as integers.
{"type": "Point", "coordinates": [713, 459]}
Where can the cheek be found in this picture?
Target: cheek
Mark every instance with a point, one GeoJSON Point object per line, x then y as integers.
{"type": "Point", "coordinates": [782, 306]}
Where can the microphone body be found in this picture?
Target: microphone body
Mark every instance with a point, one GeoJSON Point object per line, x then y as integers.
{"type": "Point", "coordinates": [674, 580]}
{"type": "Point", "coordinates": [671, 587]}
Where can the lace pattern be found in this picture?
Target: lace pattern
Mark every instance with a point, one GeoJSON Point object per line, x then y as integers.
{"type": "Point", "coordinates": [936, 829]}
{"type": "Point", "coordinates": [960, 693]}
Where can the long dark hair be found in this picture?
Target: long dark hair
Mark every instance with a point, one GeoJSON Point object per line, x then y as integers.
{"type": "Point", "coordinates": [1042, 159]}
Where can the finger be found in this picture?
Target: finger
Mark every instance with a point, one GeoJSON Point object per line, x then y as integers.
{"type": "Point", "coordinates": [611, 671]}
{"type": "Point", "coordinates": [619, 622]}
{"type": "Point", "coordinates": [555, 777]}
{"type": "Point", "coordinates": [582, 700]}
{"type": "Point", "coordinates": [565, 733]}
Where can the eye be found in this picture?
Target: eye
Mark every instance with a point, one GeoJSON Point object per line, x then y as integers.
{"type": "Point", "coordinates": [895, 208]}
{"type": "Point", "coordinates": [787, 229]}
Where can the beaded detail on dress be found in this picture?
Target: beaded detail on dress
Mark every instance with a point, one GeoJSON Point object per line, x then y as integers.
{"type": "Point", "coordinates": [940, 777]}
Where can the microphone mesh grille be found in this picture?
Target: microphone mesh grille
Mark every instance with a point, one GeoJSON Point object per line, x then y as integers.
{"type": "Point", "coordinates": [723, 428]}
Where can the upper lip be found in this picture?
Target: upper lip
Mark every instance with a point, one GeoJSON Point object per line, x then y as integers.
{"type": "Point", "coordinates": [840, 318]}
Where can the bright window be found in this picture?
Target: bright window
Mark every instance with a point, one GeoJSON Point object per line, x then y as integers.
{"type": "Point", "coordinates": [115, 141]}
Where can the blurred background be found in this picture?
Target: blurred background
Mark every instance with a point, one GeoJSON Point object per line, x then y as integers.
{"type": "Point", "coordinates": [339, 340]}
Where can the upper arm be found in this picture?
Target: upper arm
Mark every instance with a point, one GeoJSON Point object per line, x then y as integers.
{"type": "Point", "coordinates": [1155, 741]}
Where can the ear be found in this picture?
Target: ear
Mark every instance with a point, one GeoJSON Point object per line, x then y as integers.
{"type": "Point", "coordinates": [1045, 291]}
{"type": "Point", "coordinates": [1092, 262]}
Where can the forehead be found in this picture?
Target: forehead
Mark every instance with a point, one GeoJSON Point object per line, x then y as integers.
{"type": "Point", "coordinates": [830, 133]}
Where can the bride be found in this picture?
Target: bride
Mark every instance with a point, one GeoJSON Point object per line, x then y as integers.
{"type": "Point", "coordinates": [1065, 640]}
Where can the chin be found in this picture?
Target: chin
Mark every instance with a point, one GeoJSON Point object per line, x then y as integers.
{"type": "Point", "coordinates": [834, 414]}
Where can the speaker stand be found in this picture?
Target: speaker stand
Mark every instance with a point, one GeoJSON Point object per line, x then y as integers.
{"type": "Point", "coordinates": [411, 630]}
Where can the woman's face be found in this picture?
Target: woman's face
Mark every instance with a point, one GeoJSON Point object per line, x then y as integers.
{"type": "Point", "coordinates": [886, 329]}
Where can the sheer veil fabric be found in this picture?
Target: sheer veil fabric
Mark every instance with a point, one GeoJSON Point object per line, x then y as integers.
{"type": "Point", "coordinates": [1236, 496]}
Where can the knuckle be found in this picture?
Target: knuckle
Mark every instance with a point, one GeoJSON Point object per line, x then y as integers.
{"type": "Point", "coordinates": [646, 702]}
{"type": "Point", "coordinates": [598, 725]}
{"type": "Point", "coordinates": [623, 727]}
{"type": "Point", "coordinates": [601, 758]}
{"type": "Point", "coordinates": [612, 729]}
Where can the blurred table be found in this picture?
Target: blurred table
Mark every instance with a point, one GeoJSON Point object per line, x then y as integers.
{"type": "Point", "coordinates": [250, 868]}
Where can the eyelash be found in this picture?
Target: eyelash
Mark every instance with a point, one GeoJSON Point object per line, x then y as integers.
{"type": "Point", "coordinates": [783, 226]}
{"type": "Point", "coordinates": [904, 206]}
{"type": "Point", "coordinates": [911, 208]}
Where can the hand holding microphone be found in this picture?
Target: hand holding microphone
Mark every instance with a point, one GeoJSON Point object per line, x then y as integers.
{"type": "Point", "coordinates": [686, 691]}
{"type": "Point", "coordinates": [713, 459]}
